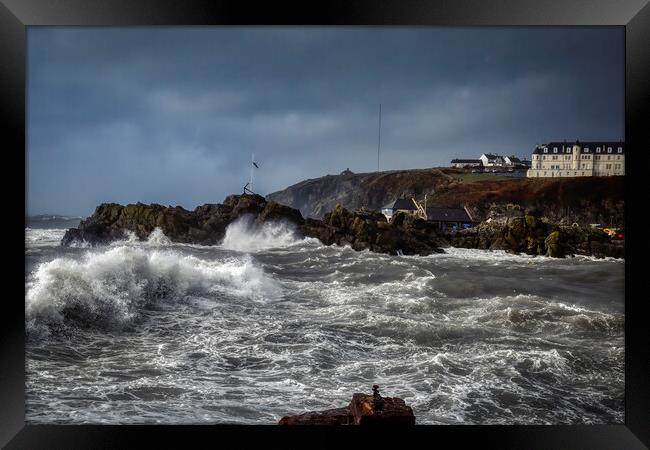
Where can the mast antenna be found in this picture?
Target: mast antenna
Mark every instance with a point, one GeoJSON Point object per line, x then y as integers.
{"type": "Point", "coordinates": [379, 137]}
{"type": "Point", "coordinates": [248, 189]}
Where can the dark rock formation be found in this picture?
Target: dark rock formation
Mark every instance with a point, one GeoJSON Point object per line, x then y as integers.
{"type": "Point", "coordinates": [368, 230]}
{"type": "Point", "coordinates": [363, 409]}
{"type": "Point", "coordinates": [537, 236]}
{"type": "Point", "coordinates": [362, 229]}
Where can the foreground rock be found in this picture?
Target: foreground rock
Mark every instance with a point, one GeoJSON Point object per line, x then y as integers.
{"type": "Point", "coordinates": [363, 409]}
{"type": "Point", "coordinates": [537, 236]}
{"type": "Point", "coordinates": [206, 225]}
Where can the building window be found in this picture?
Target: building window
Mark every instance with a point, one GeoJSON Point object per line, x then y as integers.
{"type": "Point", "coordinates": [620, 150]}
{"type": "Point", "coordinates": [575, 173]}
{"type": "Point", "coordinates": [609, 149]}
{"type": "Point", "coordinates": [555, 149]}
{"type": "Point", "coordinates": [618, 157]}
{"type": "Point", "coordinates": [545, 150]}
{"type": "Point", "coordinates": [544, 157]}
{"type": "Point", "coordinates": [586, 149]}
{"type": "Point", "coordinates": [597, 149]}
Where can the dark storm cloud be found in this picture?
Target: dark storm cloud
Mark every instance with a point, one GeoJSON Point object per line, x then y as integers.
{"type": "Point", "coordinates": [171, 115]}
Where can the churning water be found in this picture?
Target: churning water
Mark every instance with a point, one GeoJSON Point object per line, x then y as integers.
{"type": "Point", "coordinates": [267, 325]}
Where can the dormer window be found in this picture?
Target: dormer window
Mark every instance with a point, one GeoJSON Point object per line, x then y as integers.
{"type": "Point", "coordinates": [586, 149]}
{"type": "Point", "coordinates": [555, 150]}
{"type": "Point", "coordinates": [609, 149]}
{"type": "Point", "coordinates": [597, 149]}
{"type": "Point", "coordinates": [620, 150]}
{"type": "Point", "coordinates": [545, 150]}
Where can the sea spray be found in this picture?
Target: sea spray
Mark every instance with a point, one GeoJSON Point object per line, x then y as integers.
{"type": "Point", "coordinates": [245, 236]}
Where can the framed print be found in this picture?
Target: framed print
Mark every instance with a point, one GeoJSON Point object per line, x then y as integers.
{"type": "Point", "coordinates": [281, 220]}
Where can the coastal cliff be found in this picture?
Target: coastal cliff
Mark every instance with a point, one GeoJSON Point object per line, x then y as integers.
{"type": "Point", "coordinates": [582, 200]}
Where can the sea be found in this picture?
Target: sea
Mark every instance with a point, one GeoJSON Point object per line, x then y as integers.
{"type": "Point", "coordinates": [268, 324]}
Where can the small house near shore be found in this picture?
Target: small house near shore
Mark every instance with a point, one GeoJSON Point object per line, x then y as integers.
{"type": "Point", "coordinates": [447, 219]}
{"type": "Point", "coordinates": [405, 205]}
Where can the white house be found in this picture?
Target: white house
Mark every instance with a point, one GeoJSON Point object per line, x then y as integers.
{"type": "Point", "coordinates": [490, 160]}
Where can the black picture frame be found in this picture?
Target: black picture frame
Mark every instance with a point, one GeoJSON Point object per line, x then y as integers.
{"type": "Point", "coordinates": [634, 15]}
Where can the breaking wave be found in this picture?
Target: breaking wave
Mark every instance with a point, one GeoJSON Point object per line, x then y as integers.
{"type": "Point", "coordinates": [245, 236]}
{"type": "Point", "coordinates": [155, 239]}
{"type": "Point", "coordinates": [110, 288]}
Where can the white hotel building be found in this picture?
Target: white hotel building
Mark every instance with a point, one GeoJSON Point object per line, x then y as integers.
{"type": "Point", "coordinates": [580, 159]}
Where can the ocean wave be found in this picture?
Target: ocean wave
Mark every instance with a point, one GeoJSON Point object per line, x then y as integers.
{"type": "Point", "coordinates": [110, 288]}
{"type": "Point", "coordinates": [499, 256]}
{"type": "Point", "coordinates": [244, 236]}
{"type": "Point", "coordinates": [532, 314]}
{"type": "Point", "coordinates": [37, 237]}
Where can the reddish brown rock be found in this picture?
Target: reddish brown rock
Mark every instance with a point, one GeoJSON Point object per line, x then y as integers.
{"type": "Point", "coordinates": [376, 410]}
{"type": "Point", "coordinates": [364, 409]}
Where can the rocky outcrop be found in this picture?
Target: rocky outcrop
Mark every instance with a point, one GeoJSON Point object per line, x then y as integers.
{"type": "Point", "coordinates": [205, 225]}
{"type": "Point", "coordinates": [368, 230]}
{"type": "Point", "coordinates": [537, 236]}
{"type": "Point", "coordinates": [362, 229]}
{"type": "Point", "coordinates": [364, 409]}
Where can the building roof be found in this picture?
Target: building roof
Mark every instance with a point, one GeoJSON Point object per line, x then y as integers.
{"type": "Point", "coordinates": [401, 203]}
{"type": "Point", "coordinates": [448, 215]}
{"type": "Point", "coordinates": [490, 156]}
{"type": "Point", "coordinates": [585, 147]}
{"type": "Point", "coordinates": [514, 159]}
{"type": "Point", "coordinates": [476, 161]}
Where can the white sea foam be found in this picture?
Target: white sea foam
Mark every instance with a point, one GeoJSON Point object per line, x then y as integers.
{"type": "Point", "coordinates": [39, 237]}
{"type": "Point", "coordinates": [113, 285]}
{"type": "Point", "coordinates": [244, 236]}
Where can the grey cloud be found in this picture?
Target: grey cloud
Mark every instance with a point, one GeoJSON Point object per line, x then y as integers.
{"type": "Point", "coordinates": [172, 114]}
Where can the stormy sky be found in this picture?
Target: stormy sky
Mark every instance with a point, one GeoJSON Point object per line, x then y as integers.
{"type": "Point", "coordinates": [171, 115]}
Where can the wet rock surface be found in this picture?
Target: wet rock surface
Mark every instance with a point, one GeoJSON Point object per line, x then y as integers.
{"type": "Point", "coordinates": [363, 409]}
{"type": "Point", "coordinates": [363, 229]}
{"type": "Point", "coordinates": [537, 236]}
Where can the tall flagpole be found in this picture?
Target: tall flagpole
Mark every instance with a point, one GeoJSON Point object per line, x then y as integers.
{"type": "Point", "coordinates": [252, 166]}
{"type": "Point", "coordinates": [379, 137]}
